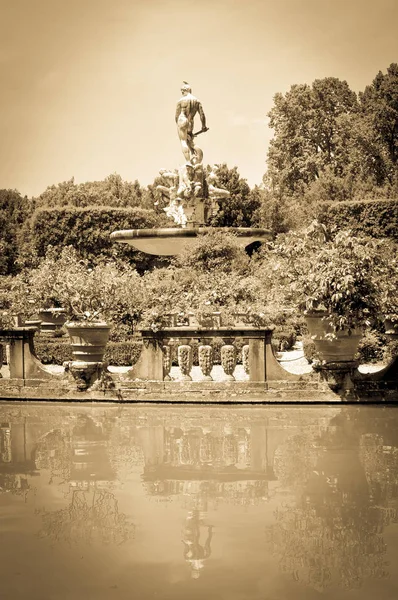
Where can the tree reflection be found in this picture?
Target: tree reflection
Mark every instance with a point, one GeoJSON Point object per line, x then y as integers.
{"type": "Point", "coordinates": [331, 533]}
{"type": "Point", "coordinates": [92, 516]}
{"type": "Point", "coordinates": [80, 457]}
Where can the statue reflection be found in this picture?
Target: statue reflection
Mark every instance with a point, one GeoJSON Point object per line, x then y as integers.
{"type": "Point", "coordinates": [205, 465]}
{"type": "Point", "coordinates": [194, 552]}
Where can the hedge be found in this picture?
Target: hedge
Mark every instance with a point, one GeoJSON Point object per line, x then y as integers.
{"type": "Point", "coordinates": [376, 218]}
{"type": "Point", "coordinates": [88, 229]}
{"type": "Point", "coordinates": [58, 350]}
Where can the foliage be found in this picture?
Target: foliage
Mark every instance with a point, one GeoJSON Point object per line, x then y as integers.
{"type": "Point", "coordinates": [379, 106]}
{"type": "Point", "coordinates": [106, 291]}
{"type": "Point", "coordinates": [330, 146]}
{"type": "Point", "coordinates": [88, 230]}
{"type": "Point", "coordinates": [215, 250]}
{"type": "Point", "coordinates": [238, 209]}
{"type": "Point", "coordinates": [336, 272]}
{"type": "Point", "coordinates": [58, 350]}
{"type": "Point", "coordinates": [391, 351]}
{"type": "Point", "coordinates": [6, 309]}
{"type": "Point", "coordinates": [371, 347]}
{"type": "Point", "coordinates": [311, 126]}
{"type": "Point", "coordinates": [112, 191]}
{"type": "Point", "coordinates": [310, 352]}
{"type": "Point", "coordinates": [376, 218]}
{"type": "Point", "coordinates": [13, 211]}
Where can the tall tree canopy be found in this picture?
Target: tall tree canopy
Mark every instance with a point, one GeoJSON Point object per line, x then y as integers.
{"type": "Point", "coordinates": [312, 125]}
{"type": "Point", "coordinates": [324, 133]}
{"type": "Point", "coordinates": [13, 210]}
{"type": "Point", "coordinates": [112, 191]}
{"type": "Point", "coordinates": [238, 210]}
{"type": "Point", "coordinates": [379, 112]}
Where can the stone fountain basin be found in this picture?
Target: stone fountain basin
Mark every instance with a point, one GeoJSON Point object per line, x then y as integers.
{"type": "Point", "coordinates": [171, 241]}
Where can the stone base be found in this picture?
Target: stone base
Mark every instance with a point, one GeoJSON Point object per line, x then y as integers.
{"type": "Point", "coordinates": [338, 375]}
{"type": "Point", "coordinates": [87, 375]}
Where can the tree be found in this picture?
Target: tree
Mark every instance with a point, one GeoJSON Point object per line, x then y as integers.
{"type": "Point", "coordinates": [378, 134]}
{"type": "Point", "coordinates": [312, 125]}
{"type": "Point", "coordinates": [13, 211]}
{"type": "Point", "coordinates": [112, 191]}
{"type": "Point", "coordinates": [238, 210]}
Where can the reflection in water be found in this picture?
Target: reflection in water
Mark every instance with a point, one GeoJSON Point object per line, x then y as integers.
{"type": "Point", "coordinates": [78, 456]}
{"type": "Point", "coordinates": [331, 531]}
{"type": "Point", "coordinates": [321, 483]}
{"type": "Point", "coordinates": [92, 515]}
{"type": "Point", "coordinates": [194, 552]}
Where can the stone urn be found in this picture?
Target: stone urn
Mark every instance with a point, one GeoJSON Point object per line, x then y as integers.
{"type": "Point", "coordinates": [88, 340]}
{"type": "Point", "coordinates": [51, 319]}
{"type": "Point", "coordinates": [333, 347]}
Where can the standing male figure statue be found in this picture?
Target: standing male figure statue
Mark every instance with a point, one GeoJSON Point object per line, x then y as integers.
{"type": "Point", "coordinates": [187, 107]}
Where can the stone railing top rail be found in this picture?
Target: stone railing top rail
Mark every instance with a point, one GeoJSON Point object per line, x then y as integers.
{"type": "Point", "coordinates": [194, 331]}
{"type": "Point", "coordinates": [17, 333]}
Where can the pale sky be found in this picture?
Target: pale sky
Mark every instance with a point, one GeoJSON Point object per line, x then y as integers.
{"type": "Point", "coordinates": [89, 87]}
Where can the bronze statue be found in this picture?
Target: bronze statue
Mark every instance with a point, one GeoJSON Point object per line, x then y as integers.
{"type": "Point", "coordinates": [187, 107]}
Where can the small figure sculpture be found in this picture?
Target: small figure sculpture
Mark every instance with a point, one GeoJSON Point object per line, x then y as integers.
{"type": "Point", "coordinates": [187, 107]}
{"type": "Point", "coordinates": [215, 193]}
{"type": "Point", "coordinates": [170, 191]}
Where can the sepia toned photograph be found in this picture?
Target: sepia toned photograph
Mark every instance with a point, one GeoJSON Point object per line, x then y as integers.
{"type": "Point", "coordinates": [199, 300]}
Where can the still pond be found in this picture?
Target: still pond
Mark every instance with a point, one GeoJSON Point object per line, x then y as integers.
{"type": "Point", "coordinates": [101, 502]}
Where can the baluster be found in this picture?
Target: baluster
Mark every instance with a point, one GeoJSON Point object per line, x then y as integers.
{"type": "Point", "coordinates": [245, 359]}
{"type": "Point", "coordinates": [228, 360]}
{"type": "Point", "coordinates": [166, 362]}
{"type": "Point", "coordinates": [205, 352]}
{"type": "Point", "coordinates": [185, 361]}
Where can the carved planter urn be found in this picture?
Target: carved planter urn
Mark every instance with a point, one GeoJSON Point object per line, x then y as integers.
{"type": "Point", "coordinates": [88, 340]}
{"type": "Point", "coordinates": [333, 347]}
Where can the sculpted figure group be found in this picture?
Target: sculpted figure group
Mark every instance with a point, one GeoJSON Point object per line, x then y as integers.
{"type": "Point", "coordinates": [190, 183]}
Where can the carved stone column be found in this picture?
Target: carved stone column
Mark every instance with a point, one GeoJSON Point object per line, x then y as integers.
{"type": "Point", "coordinates": [185, 361]}
{"type": "Point", "coordinates": [228, 360]}
{"type": "Point", "coordinates": [205, 352]}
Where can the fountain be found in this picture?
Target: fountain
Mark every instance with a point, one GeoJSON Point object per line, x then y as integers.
{"type": "Point", "coordinates": [191, 194]}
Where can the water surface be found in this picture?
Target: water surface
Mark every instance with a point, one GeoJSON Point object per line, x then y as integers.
{"type": "Point", "coordinates": [271, 503]}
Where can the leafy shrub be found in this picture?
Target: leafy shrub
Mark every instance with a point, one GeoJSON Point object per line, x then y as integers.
{"type": "Point", "coordinates": [391, 351]}
{"type": "Point", "coordinates": [371, 347]}
{"type": "Point", "coordinates": [376, 218]}
{"type": "Point", "coordinates": [310, 352]}
{"type": "Point", "coordinates": [52, 351]}
{"type": "Point", "coordinates": [108, 291]}
{"type": "Point", "coordinates": [284, 340]}
{"type": "Point", "coordinates": [216, 250]}
{"type": "Point", "coordinates": [336, 272]}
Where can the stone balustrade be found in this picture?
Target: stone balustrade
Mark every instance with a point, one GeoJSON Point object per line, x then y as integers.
{"type": "Point", "coordinates": [23, 361]}
{"type": "Point", "coordinates": [258, 359]}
